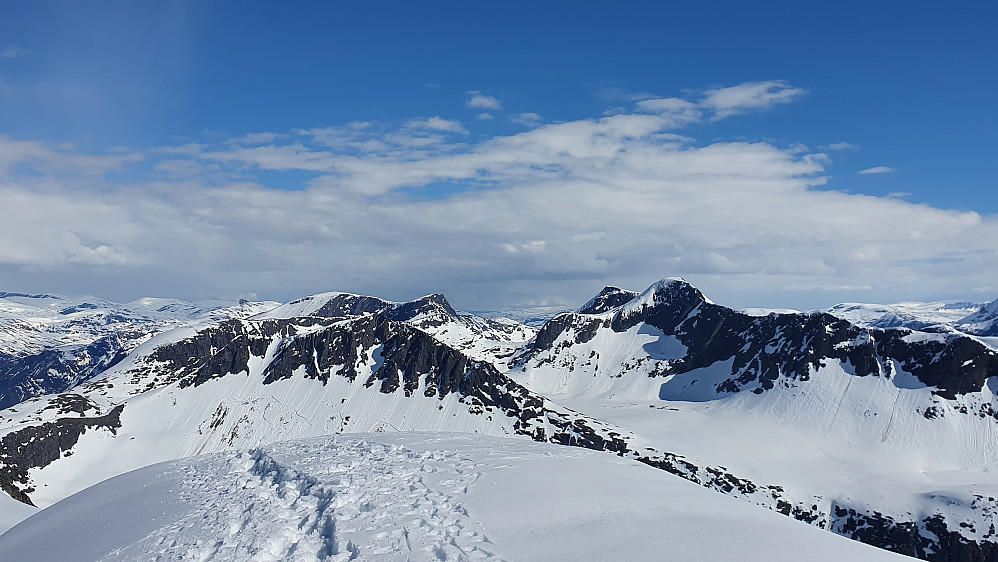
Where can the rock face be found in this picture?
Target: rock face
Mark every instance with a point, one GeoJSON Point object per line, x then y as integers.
{"type": "Point", "coordinates": [607, 299]}
{"type": "Point", "coordinates": [41, 445]}
{"type": "Point", "coordinates": [405, 358]}
{"type": "Point", "coordinates": [347, 363]}
{"type": "Point", "coordinates": [763, 350]}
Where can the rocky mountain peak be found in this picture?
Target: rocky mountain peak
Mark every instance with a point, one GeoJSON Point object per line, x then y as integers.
{"type": "Point", "coordinates": [607, 299]}
{"type": "Point", "coordinates": [663, 305]}
{"type": "Point", "coordinates": [430, 304]}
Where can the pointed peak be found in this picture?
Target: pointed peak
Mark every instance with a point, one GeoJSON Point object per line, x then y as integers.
{"type": "Point", "coordinates": [663, 304]}
{"type": "Point", "coordinates": [607, 299]}
{"type": "Point", "coordinates": [423, 305]}
{"type": "Point", "coordinates": [671, 290]}
{"type": "Point", "coordinates": [326, 305]}
{"type": "Point", "coordinates": [346, 305]}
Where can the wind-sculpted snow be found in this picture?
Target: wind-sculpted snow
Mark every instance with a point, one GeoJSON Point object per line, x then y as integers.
{"type": "Point", "coordinates": [358, 500]}
{"type": "Point", "coordinates": [417, 497]}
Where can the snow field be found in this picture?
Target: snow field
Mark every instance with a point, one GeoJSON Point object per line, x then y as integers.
{"type": "Point", "coordinates": [226, 413]}
{"type": "Point", "coordinates": [413, 496]}
{"type": "Point", "coordinates": [357, 501]}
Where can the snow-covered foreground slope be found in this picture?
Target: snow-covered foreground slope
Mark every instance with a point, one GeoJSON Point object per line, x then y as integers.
{"type": "Point", "coordinates": [432, 497]}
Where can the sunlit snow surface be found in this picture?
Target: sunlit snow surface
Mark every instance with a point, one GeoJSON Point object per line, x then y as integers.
{"type": "Point", "coordinates": [413, 496]}
{"type": "Point", "coordinates": [33, 323]}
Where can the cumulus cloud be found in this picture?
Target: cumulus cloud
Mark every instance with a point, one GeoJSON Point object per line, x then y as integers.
{"type": "Point", "coordinates": [876, 170]}
{"type": "Point", "coordinates": [479, 100]}
{"type": "Point", "coordinates": [549, 214]}
{"type": "Point", "coordinates": [753, 96]}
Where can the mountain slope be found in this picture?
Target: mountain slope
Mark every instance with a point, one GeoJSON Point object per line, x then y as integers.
{"type": "Point", "coordinates": [413, 497]}
{"type": "Point", "coordinates": [802, 401]}
{"type": "Point", "coordinates": [983, 322]}
{"type": "Point", "coordinates": [887, 436]}
{"type": "Point", "coordinates": [911, 315]}
{"type": "Point", "coordinates": [51, 343]}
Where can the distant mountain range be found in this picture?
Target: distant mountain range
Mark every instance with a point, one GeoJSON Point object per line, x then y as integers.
{"type": "Point", "coordinates": [878, 423]}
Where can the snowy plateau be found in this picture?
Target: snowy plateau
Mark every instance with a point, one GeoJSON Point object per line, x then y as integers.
{"type": "Point", "coordinates": [653, 425]}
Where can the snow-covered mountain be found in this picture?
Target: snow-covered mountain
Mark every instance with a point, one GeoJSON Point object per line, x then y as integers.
{"type": "Point", "coordinates": [979, 319]}
{"type": "Point", "coordinates": [493, 340]}
{"type": "Point", "coordinates": [883, 435]}
{"type": "Point", "coordinates": [51, 343]}
{"type": "Point", "coordinates": [983, 322]}
{"type": "Point", "coordinates": [911, 315]}
{"type": "Point", "coordinates": [534, 316]}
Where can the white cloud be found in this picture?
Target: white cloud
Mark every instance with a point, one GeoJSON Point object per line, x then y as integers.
{"type": "Point", "coordinates": [479, 100]}
{"type": "Point", "coordinates": [876, 170]}
{"type": "Point", "coordinates": [679, 112]}
{"type": "Point", "coordinates": [842, 146]}
{"type": "Point", "coordinates": [549, 214]}
{"type": "Point", "coordinates": [437, 123]}
{"type": "Point", "coordinates": [13, 51]}
{"type": "Point", "coordinates": [485, 116]}
{"type": "Point", "coordinates": [529, 119]}
{"type": "Point", "coordinates": [751, 96]}
{"type": "Point", "coordinates": [57, 159]}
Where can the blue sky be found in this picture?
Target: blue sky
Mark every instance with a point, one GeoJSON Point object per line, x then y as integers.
{"type": "Point", "coordinates": [100, 98]}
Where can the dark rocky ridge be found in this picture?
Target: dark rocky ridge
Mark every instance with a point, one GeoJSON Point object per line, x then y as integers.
{"type": "Point", "coordinates": [345, 305]}
{"type": "Point", "coordinates": [607, 299]}
{"type": "Point", "coordinates": [40, 445]}
{"type": "Point", "coordinates": [764, 349]}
